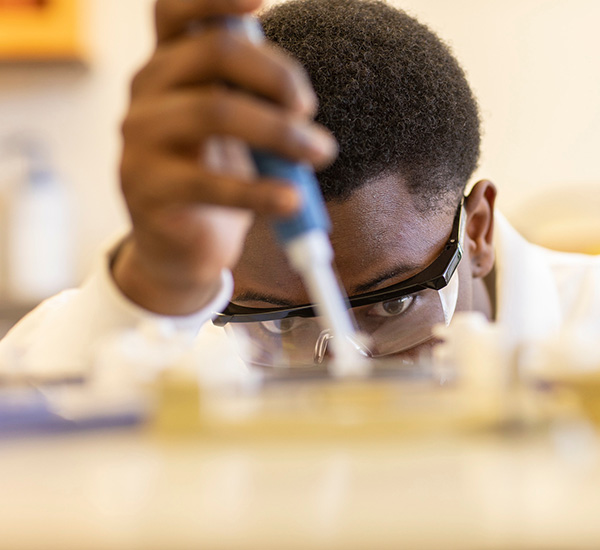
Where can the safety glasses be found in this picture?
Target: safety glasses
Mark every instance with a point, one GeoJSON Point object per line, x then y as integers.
{"type": "Point", "coordinates": [391, 320]}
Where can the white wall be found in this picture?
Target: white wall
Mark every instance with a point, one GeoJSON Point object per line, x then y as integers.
{"type": "Point", "coordinates": [532, 63]}
{"type": "Point", "coordinates": [77, 112]}
{"type": "Point", "coordinates": [534, 67]}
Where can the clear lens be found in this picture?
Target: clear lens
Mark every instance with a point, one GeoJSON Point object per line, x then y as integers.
{"type": "Point", "coordinates": [269, 343]}
{"type": "Point", "coordinates": [390, 327]}
{"type": "Point", "coordinates": [400, 324]}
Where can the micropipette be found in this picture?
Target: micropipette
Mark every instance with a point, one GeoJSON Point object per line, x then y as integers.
{"type": "Point", "coordinates": [306, 242]}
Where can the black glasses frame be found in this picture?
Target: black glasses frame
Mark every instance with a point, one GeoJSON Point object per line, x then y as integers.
{"type": "Point", "coordinates": [435, 276]}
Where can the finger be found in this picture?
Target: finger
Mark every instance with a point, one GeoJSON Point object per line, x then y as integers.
{"type": "Point", "coordinates": [182, 120]}
{"type": "Point", "coordinates": [227, 155]}
{"type": "Point", "coordinates": [220, 55]}
{"type": "Point", "coordinates": [175, 16]}
{"type": "Point", "coordinates": [190, 184]}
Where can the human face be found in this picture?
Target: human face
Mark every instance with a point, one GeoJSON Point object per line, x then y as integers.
{"type": "Point", "coordinates": [380, 238]}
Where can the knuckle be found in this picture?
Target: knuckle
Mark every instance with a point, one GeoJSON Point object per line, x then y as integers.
{"type": "Point", "coordinates": [133, 124]}
{"type": "Point", "coordinates": [151, 77]}
{"type": "Point", "coordinates": [128, 166]}
{"type": "Point", "coordinates": [137, 82]}
{"type": "Point", "coordinates": [137, 129]}
{"type": "Point", "coordinates": [128, 126]}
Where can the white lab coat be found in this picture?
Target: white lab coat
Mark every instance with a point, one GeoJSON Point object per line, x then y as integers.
{"type": "Point", "coordinates": [539, 293]}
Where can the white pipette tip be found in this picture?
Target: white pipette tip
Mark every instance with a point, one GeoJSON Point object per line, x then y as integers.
{"type": "Point", "coordinates": [311, 255]}
{"type": "Point", "coordinates": [350, 366]}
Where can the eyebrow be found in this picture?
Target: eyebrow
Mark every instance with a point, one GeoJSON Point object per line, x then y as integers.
{"type": "Point", "coordinates": [397, 271]}
{"type": "Point", "coordinates": [254, 296]}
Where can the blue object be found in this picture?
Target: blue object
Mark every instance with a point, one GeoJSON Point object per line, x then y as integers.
{"type": "Point", "coordinates": [313, 214]}
{"type": "Point", "coordinates": [27, 412]}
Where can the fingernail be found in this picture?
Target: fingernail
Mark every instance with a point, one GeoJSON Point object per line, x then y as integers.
{"type": "Point", "coordinates": [305, 97]}
{"type": "Point", "coordinates": [316, 141]}
{"type": "Point", "coordinates": [306, 103]}
{"type": "Point", "coordinates": [287, 200]}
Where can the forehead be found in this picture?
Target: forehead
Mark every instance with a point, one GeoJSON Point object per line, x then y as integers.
{"type": "Point", "coordinates": [375, 231]}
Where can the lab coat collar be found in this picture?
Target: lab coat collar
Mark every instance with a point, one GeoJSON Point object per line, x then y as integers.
{"type": "Point", "coordinates": [527, 297]}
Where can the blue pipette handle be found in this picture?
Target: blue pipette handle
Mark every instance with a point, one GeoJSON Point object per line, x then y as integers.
{"type": "Point", "coordinates": [312, 214]}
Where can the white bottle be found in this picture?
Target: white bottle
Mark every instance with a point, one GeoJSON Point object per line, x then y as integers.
{"type": "Point", "coordinates": [39, 247]}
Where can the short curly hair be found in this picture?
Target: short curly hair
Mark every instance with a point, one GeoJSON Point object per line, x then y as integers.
{"type": "Point", "coordinates": [390, 91]}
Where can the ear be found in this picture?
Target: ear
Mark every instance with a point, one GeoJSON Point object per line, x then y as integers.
{"type": "Point", "coordinates": [479, 206]}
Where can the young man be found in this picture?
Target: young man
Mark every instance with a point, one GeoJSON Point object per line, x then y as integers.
{"type": "Point", "coordinates": [407, 130]}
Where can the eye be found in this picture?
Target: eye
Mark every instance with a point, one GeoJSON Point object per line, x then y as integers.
{"type": "Point", "coordinates": [280, 326]}
{"type": "Point", "coordinates": [393, 308]}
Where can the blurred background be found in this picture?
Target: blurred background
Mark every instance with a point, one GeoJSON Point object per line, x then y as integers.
{"type": "Point", "coordinates": [532, 64]}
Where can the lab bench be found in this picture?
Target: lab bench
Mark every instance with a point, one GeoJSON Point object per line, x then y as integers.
{"type": "Point", "coordinates": [520, 488]}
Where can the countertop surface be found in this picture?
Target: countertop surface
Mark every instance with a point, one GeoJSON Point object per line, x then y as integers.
{"type": "Point", "coordinates": [132, 489]}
